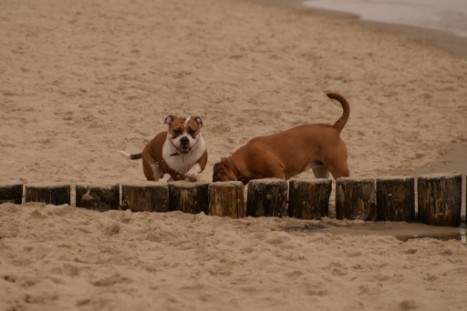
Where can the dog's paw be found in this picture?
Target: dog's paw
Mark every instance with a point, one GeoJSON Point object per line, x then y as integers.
{"type": "Point", "coordinates": [191, 177]}
{"type": "Point", "coordinates": [192, 174]}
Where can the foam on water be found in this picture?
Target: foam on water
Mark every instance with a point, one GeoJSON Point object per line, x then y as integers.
{"type": "Point", "coordinates": [448, 15]}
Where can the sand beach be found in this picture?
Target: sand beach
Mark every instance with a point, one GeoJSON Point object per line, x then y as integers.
{"type": "Point", "coordinates": [81, 80]}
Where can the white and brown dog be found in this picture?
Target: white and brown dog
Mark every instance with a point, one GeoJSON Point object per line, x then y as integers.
{"type": "Point", "coordinates": [286, 154]}
{"type": "Point", "coordinates": [180, 151]}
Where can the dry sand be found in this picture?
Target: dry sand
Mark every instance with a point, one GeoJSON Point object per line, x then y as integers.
{"type": "Point", "coordinates": [80, 80]}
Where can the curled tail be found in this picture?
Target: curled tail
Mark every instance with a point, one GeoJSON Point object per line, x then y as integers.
{"type": "Point", "coordinates": [131, 156]}
{"type": "Point", "coordinates": [339, 125]}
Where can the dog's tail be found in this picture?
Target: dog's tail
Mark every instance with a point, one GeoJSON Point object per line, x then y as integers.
{"type": "Point", "coordinates": [131, 156]}
{"type": "Point", "coordinates": [339, 125]}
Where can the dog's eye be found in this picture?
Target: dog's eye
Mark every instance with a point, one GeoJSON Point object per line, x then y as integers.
{"type": "Point", "coordinates": [192, 133]}
{"type": "Point", "coordinates": [177, 132]}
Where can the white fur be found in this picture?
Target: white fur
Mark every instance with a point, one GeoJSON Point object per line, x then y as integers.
{"type": "Point", "coordinates": [125, 154]}
{"type": "Point", "coordinates": [186, 121]}
{"type": "Point", "coordinates": [156, 172]}
{"type": "Point", "coordinates": [183, 162]}
{"type": "Point", "coordinates": [176, 141]}
{"type": "Point", "coordinates": [192, 174]}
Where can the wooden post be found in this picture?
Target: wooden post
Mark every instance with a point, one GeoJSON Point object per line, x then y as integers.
{"type": "Point", "coordinates": [309, 199]}
{"type": "Point", "coordinates": [99, 198]}
{"type": "Point", "coordinates": [439, 199]}
{"type": "Point", "coordinates": [11, 193]}
{"type": "Point", "coordinates": [355, 198]}
{"type": "Point", "coordinates": [267, 197]}
{"type": "Point", "coordinates": [188, 197]}
{"type": "Point", "coordinates": [395, 199]}
{"type": "Point", "coordinates": [226, 199]}
{"type": "Point", "coordinates": [147, 197]}
{"type": "Point", "coordinates": [56, 194]}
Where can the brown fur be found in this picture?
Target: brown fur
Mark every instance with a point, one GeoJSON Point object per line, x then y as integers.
{"type": "Point", "coordinates": [152, 154]}
{"type": "Point", "coordinates": [289, 153]}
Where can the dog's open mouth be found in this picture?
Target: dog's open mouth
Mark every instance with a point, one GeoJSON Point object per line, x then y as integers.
{"type": "Point", "coordinates": [184, 149]}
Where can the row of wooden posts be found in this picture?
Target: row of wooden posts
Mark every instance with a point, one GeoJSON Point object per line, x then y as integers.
{"type": "Point", "coordinates": [439, 198]}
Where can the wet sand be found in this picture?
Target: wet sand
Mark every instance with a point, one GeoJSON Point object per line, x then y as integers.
{"type": "Point", "coordinates": [449, 16]}
{"type": "Point", "coordinates": [445, 40]}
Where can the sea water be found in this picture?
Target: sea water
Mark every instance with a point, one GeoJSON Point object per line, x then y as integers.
{"type": "Point", "coordinates": [447, 15]}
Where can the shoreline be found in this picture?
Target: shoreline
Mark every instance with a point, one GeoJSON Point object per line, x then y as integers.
{"type": "Point", "coordinates": [444, 40]}
{"type": "Point", "coordinates": [454, 45]}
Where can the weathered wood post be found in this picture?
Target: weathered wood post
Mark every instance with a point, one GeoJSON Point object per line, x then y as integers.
{"type": "Point", "coordinates": [226, 199]}
{"type": "Point", "coordinates": [309, 199]}
{"type": "Point", "coordinates": [267, 197]}
{"type": "Point", "coordinates": [188, 197]}
{"type": "Point", "coordinates": [439, 199]}
{"type": "Point", "coordinates": [11, 193]}
{"type": "Point", "coordinates": [355, 198]}
{"type": "Point", "coordinates": [98, 198]}
{"type": "Point", "coordinates": [145, 197]}
{"type": "Point", "coordinates": [395, 198]}
{"type": "Point", "coordinates": [55, 194]}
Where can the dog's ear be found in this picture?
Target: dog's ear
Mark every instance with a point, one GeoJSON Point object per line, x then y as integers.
{"type": "Point", "coordinates": [222, 172]}
{"type": "Point", "coordinates": [169, 119]}
{"type": "Point", "coordinates": [218, 172]}
{"type": "Point", "coordinates": [199, 121]}
{"type": "Point", "coordinates": [224, 162]}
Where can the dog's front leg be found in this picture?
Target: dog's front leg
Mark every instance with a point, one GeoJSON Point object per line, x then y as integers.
{"type": "Point", "coordinates": [192, 174]}
{"type": "Point", "coordinates": [196, 169]}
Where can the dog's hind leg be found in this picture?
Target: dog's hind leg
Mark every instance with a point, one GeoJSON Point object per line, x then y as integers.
{"type": "Point", "coordinates": [339, 169]}
{"type": "Point", "coordinates": [336, 161]}
{"type": "Point", "coordinates": [152, 171]}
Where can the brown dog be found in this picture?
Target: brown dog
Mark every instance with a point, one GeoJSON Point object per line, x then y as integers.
{"type": "Point", "coordinates": [286, 154]}
{"type": "Point", "coordinates": [180, 151]}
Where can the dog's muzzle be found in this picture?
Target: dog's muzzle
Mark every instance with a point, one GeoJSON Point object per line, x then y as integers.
{"type": "Point", "coordinates": [184, 145]}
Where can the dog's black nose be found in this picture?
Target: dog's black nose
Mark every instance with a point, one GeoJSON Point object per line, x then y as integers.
{"type": "Point", "coordinates": [184, 140]}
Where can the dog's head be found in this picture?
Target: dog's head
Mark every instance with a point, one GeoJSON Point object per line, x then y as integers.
{"type": "Point", "coordinates": [222, 171]}
{"type": "Point", "coordinates": [184, 132]}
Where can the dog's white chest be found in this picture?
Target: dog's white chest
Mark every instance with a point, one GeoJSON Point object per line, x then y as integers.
{"type": "Point", "coordinates": [179, 162]}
